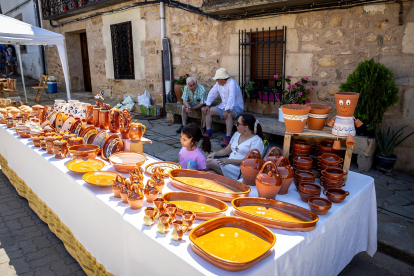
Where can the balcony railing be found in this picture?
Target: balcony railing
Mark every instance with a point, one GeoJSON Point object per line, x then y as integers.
{"type": "Point", "coordinates": [58, 9]}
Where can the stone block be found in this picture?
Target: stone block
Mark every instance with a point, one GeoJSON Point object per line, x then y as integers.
{"type": "Point", "coordinates": [336, 20]}
{"type": "Point", "coordinates": [364, 162]}
{"type": "Point", "coordinates": [311, 47]}
{"type": "Point", "coordinates": [303, 21]}
{"type": "Point", "coordinates": [333, 89]}
{"type": "Point", "coordinates": [307, 37]}
{"type": "Point", "coordinates": [318, 25]}
{"type": "Point", "coordinates": [324, 75]}
{"type": "Point", "coordinates": [234, 44]}
{"type": "Point", "coordinates": [284, 20]}
{"type": "Point", "coordinates": [373, 9]}
{"type": "Point", "coordinates": [231, 63]}
{"type": "Point", "coordinates": [408, 39]}
{"type": "Point", "coordinates": [322, 95]}
{"type": "Point", "coordinates": [292, 40]}
{"type": "Point", "coordinates": [408, 104]}
{"type": "Point", "coordinates": [339, 33]}
{"type": "Point", "coordinates": [327, 61]}
{"type": "Point", "coordinates": [382, 24]}
{"type": "Point", "coordinates": [299, 65]}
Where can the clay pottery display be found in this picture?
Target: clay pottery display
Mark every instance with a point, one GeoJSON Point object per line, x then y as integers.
{"type": "Point", "coordinates": [295, 117]}
{"type": "Point", "coordinates": [268, 181]}
{"type": "Point", "coordinates": [179, 229]}
{"type": "Point", "coordinates": [322, 166]}
{"type": "Point", "coordinates": [60, 149]}
{"type": "Point", "coordinates": [188, 218]}
{"type": "Point", "coordinates": [346, 103]}
{"type": "Point", "coordinates": [171, 209]}
{"type": "Point", "coordinates": [96, 110]}
{"type": "Point", "coordinates": [49, 143]}
{"type": "Point", "coordinates": [150, 215]}
{"type": "Point", "coordinates": [84, 151]}
{"type": "Point", "coordinates": [36, 140]}
{"type": "Point", "coordinates": [304, 196]}
{"type": "Point", "coordinates": [158, 178]}
{"type": "Point", "coordinates": [135, 197]}
{"type": "Point", "coordinates": [104, 117]}
{"type": "Point", "coordinates": [334, 174]}
{"type": "Point", "coordinates": [286, 174]}
{"type": "Point", "coordinates": [43, 143]}
{"type": "Point", "coordinates": [273, 154]}
{"type": "Point", "coordinates": [124, 121]}
{"type": "Point", "coordinates": [160, 204]}
{"type": "Point", "coordinates": [164, 223]}
{"type": "Point", "coordinates": [330, 159]}
{"type": "Point", "coordinates": [178, 92]}
{"type": "Point", "coordinates": [251, 166]}
{"type": "Point", "coordinates": [336, 195]}
{"type": "Point", "coordinates": [114, 116]}
{"type": "Point", "coordinates": [302, 168]}
{"type": "Point", "coordinates": [116, 186]}
{"type": "Point", "coordinates": [136, 131]}
{"type": "Point", "coordinates": [71, 107]}
{"type": "Point", "coordinates": [319, 205]}
{"type": "Point", "coordinates": [310, 188]}
{"type": "Point", "coordinates": [305, 175]}
{"type": "Point", "coordinates": [318, 115]}
{"type": "Point", "coordinates": [25, 133]}
{"type": "Point", "coordinates": [89, 114]}
{"type": "Point", "coordinates": [150, 191]}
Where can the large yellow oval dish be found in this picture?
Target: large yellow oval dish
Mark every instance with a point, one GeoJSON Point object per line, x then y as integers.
{"type": "Point", "coordinates": [84, 166]}
{"type": "Point", "coordinates": [102, 179]}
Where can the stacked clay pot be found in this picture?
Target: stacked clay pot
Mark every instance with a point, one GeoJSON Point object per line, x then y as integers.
{"type": "Point", "coordinates": [333, 178]}
{"type": "Point", "coordinates": [307, 190]}
{"type": "Point", "coordinates": [251, 166]}
{"type": "Point", "coordinates": [268, 181]}
{"type": "Point", "coordinates": [303, 177]}
{"type": "Point", "coordinates": [300, 148]}
{"type": "Point", "coordinates": [329, 161]}
{"type": "Point", "coordinates": [318, 115]}
{"type": "Point", "coordinates": [295, 117]}
{"type": "Point", "coordinates": [302, 163]}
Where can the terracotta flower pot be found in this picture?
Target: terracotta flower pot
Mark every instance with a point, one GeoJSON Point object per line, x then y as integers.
{"type": "Point", "coordinates": [286, 173]}
{"type": "Point", "coordinates": [346, 103]}
{"type": "Point", "coordinates": [295, 116]}
{"type": "Point", "coordinates": [318, 115]}
{"type": "Point", "coordinates": [251, 166]}
{"type": "Point", "coordinates": [268, 181]}
{"type": "Point", "coordinates": [178, 92]}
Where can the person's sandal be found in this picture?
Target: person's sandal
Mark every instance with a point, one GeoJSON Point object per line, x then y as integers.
{"type": "Point", "coordinates": [208, 134]}
{"type": "Point", "coordinates": [226, 142]}
{"type": "Point", "coordinates": [179, 130]}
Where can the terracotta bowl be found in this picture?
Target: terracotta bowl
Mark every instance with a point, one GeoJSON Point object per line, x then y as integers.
{"type": "Point", "coordinates": [310, 188]}
{"type": "Point", "coordinates": [332, 186]}
{"type": "Point", "coordinates": [330, 159]}
{"type": "Point", "coordinates": [324, 167]}
{"type": "Point", "coordinates": [302, 169]}
{"type": "Point", "coordinates": [303, 161]}
{"type": "Point", "coordinates": [300, 144]}
{"type": "Point", "coordinates": [24, 133]}
{"type": "Point", "coordinates": [125, 162]}
{"type": "Point", "coordinates": [84, 151]}
{"type": "Point", "coordinates": [305, 196]}
{"type": "Point", "coordinates": [334, 174]}
{"type": "Point", "coordinates": [336, 195]}
{"type": "Point", "coordinates": [319, 205]}
{"type": "Point", "coordinates": [297, 182]}
{"type": "Point", "coordinates": [326, 145]}
{"type": "Point", "coordinates": [304, 175]}
{"type": "Point", "coordinates": [332, 181]}
{"type": "Point", "coordinates": [294, 154]}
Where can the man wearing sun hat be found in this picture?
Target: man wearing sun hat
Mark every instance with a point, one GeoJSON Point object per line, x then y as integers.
{"type": "Point", "coordinates": [231, 105]}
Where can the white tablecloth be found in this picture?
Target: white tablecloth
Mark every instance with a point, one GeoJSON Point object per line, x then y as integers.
{"type": "Point", "coordinates": [116, 236]}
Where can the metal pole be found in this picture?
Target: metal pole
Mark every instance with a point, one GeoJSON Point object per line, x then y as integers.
{"type": "Point", "coordinates": [21, 69]}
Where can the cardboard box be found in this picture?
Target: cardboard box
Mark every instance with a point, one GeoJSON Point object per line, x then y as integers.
{"type": "Point", "coordinates": [14, 94]}
{"type": "Point", "coordinates": [142, 109]}
{"type": "Point", "coordinates": [155, 111]}
{"type": "Point", "coordinates": [6, 94]}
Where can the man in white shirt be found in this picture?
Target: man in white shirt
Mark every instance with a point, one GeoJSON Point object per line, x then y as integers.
{"type": "Point", "coordinates": [231, 105]}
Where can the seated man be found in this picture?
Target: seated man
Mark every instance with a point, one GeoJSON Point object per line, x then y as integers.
{"type": "Point", "coordinates": [194, 97]}
{"type": "Point", "coordinates": [231, 105]}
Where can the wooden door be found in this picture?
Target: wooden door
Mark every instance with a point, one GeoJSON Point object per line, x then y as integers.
{"type": "Point", "coordinates": [85, 63]}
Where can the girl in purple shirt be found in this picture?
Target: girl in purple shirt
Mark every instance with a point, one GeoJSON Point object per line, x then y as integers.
{"type": "Point", "coordinates": [190, 155]}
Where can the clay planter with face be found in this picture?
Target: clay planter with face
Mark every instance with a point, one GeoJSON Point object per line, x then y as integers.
{"type": "Point", "coordinates": [318, 115]}
{"type": "Point", "coordinates": [273, 154]}
{"type": "Point", "coordinates": [251, 166]}
{"type": "Point", "coordinates": [319, 205]}
{"type": "Point", "coordinates": [346, 103]}
{"type": "Point", "coordinates": [336, 195]}
{"type": "Point", "coordinates": [268, 181]}
{"type": "Point", "coordinates": [295, 117]}
{"type": "Point", "coordinates": [286, 173]}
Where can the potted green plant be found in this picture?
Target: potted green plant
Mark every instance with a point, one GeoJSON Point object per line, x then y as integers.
{"type": "Point", "coordinates": [386, 143]}
{"type": "Point", "coordinates": [377, 91]}
{"type": "Point", "coordinates": [179, 86]}
{"type": "Point", "coordinates": [249, 89]}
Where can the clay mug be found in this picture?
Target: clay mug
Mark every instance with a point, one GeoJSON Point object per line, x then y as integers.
{"type": "Point", "coordinates": [89, 114]}
{"type": "Point", "coordinates": [95, 112]}
{"type": "Point", "coordinates": [104, 117]}
{"type": "Point", "coordinates": [36, 140]}
{"type": "Point", "coordinates": [43, 143]}
{"type": "Point", "coordinates": [272, 155]}
{"type": "Point", "coordinates": [117, 183]}
{"type": "Point", "coordinates": [286, 173]}
{"type": "Point", "coordinates": [188, 218]}
{"type": "Point", "coordinates": [56, 104]}
{"type": "Point", "coordinates": [136, 131]}
{"type": "Point", "coordinates": [251, 166]}
{"type": "Point", "coordinates": [171, 209]}
{"type": "Point", "coordinates": [160, 205]}
{"type": "Point", "coordinates": [268, 181]}
{"type": "Point", "coordinates": [60, 148]}
{"type": "Point", "coordinates": [82, 111]}
{"type": "Point", "coordinates": [124, 121]}
{"type": "Point", "coordinates": [164, 223]}
{"type": "Point", "coordinates": [150, 191]}
{"type": "Point", "coordinates": [135, 197]}
{"type": "Point", "coordinates": [114, 116]}
{"type": "Point", "coordinates": [50, 144]}
{"type": "Point", "coordinates": [179, 229]}
{"type": "Point", "coordinates": [72, 106]}
{"type": "Point", "coordinates": [150, 213]}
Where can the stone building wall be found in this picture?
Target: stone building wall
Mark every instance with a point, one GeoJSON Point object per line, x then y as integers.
{"type": "Point", "coordinates": [325, 46]}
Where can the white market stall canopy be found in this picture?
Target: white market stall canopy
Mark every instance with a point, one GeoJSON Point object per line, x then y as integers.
{"type": "Point", "coordinates": [13, 31]}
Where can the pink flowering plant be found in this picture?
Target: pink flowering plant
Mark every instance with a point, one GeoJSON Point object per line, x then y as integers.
{"type": "Point", "coordinates": [295, 93]}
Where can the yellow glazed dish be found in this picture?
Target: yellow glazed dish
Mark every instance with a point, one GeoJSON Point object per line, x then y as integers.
{"type": "Point", "coordinates": [102, 179]}
{"type": "Point", "coordinates": [85, 166]}
{"type": "Point", "coordinates": [207, 184]}
{"type": "Point", "coordinates": [165, 165]}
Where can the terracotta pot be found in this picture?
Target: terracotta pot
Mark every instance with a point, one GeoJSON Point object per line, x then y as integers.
{"type": "Point", "coordinates": [329, 181]}
{"type": "Point", "coordinates": [299, 151]}
{"type": "Point", "coordinates": [150, 215]}
{"type": "Point", "coordinates": [150, 191]}
{"type": "Point", "coordinates": [135, 197]}
{"type": "Point", "coordinates": [89, 114]}
{"type": "Point", "coordinates": [268, 181]}
{"type": "Point", "coordinates": [295, 117]}
{"type": "Point", "coordinates": [300, 144]}
{"type": "Point", "coordinates": [251, 166]}
{"type": "Point", "coordinates": [330, 159]}
{"type": "Point", "coordinates": [310, 188]}
{"type": "Point", "coordinates": [319, 205]}
{"type": "Point", "coordinates": [346, 103]}
{"type": "Point", "coordinates": [272, 155]}
{"type": "Point", "coordinates": [328, 186]}
{"type": "Point", "coordinates": [124, 122]}
{"type": "Point", "coordinates": [297, 167]}
{"type": "Point", "coordinates": [49, 143]}
{"type": "Point", "coordinates": [302, 161]}
{"type": "Point", "coordinates": [318, 115]}
{"type": "Point", "coordinates": [178, 92]}
{"type": "Point", "coordinates": [326, 146]}
{"type": "Point", "coordinates": [336, 195]}
{"type": "Point", "coordinates": [286, 173]}
{"type": "Point", "coordinates": [322, 166]}
{"type": "Point", "coordinates": [95, 112]}
{"type": "Point", "coordinates": [114, 116]}
{"type": "Point", "coordinates": [136, 131]}
{"type": "Point", "coordinates": [305, 196]}
{"type": "Point", "coordinates": [334, 173]}
{"type": "Point", "coordinates": [304, 175]}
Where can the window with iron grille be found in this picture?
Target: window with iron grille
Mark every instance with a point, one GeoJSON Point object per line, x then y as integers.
{"type": "Point", "coordinates": [262, 55]}
{"type": "Point", "coordinates": [122, 50]}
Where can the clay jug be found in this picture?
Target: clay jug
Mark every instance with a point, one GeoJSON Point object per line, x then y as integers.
{"type": "Point", "coordinates": [268, 181]}
{"type": "Point", "coordinates": [89, 114]}
{"type": "Point", "coordinates": [136, 131]}
{"type": "Point", "coordinates": [346, 103]}
{"type": "Point", "coordinates": [96, 110]}
{"type": "Point", "coordinates": [150, 191]}
{"type": "Point", "coordinates": [124, 121]}
{"type": "Point", "coordinates": [251, 166]}
{"type": "Point", "coordinates": [104, 117]}
{"type": "Point", "coordinates": [286, 173]}
{"type": "Point", "coordinates": [273, 154]}
{"type": "Point", "coordinates": [114, 115]}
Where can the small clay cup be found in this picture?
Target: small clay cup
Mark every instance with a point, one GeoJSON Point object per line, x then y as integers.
{"type": "Point", "coordinates": [43, 144]}
{"type": "Point", "coordinates": [319, 205]}
{"type": "Point", "coordinates": [160, 205]}
{"type": "Point", "coordinates": [310, 188]}
{"type": "Point", "coordinates": [334, 174]}
{"type": "Point", "coordinates": [305, 196]}
{"type": "Point", "coordinates": [164, 223]}
{"type": "Point", "coordinates": [171, 209]}
{"type": "Point", "coordinates": [336, 195]}
{"type": "Point", "coordinates": [188, 218]}
{"type": "Point", "coordinates": [150, 213]}
{"type": "Point", "coordinates": [179, 229]}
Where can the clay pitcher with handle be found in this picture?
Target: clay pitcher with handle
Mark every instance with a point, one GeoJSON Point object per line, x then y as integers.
{"type": "Point", "coordinates": [268, 181]}
{"type": "Point", "coordinates": [251, 166]}
{"type": "Point", "coordinates": [286, 174]}
{"type": "Point", "coordinates": [273, 154]}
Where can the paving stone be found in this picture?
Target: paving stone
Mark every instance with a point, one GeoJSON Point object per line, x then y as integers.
{"type": "Point", "coordinates": [409, 195]}
{"type": "Point", "coordinates": [399, 187]}
{"type": "Point", "coordinates": [27, 246]}
{"type": "Point", "coordinates": [178, 145]}
{"type": "Point", "coordinates": [156, 147]}
{"type": "Point", "coordinates": [7, 270]}
{"type": "Point", "coordinates": [397, 200]}
{"type": "Point", "coordinates": [39, 254]}
{"type": "Point", "coordinates": [59, 267]}
{"type": "Point", "coordinates": [41, 242]}
{"type": "Point", "coordinates": [171, 155]}
{"type": "Point", "coordinates": [7, 240]}
{"type": "Point", "coordinates": [170, 142]}
{"type": "Point", "coordinates": [165, 130]}
{"type": "Point", "coordinates": [20, 265]}
{"type": "Point", "coordinates": [43, 271]}
{"type": "Point", "coordinates": [44, 260]}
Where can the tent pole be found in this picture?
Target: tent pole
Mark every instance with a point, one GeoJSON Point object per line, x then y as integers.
{"type": "Point", "coordinates": [21, 69]}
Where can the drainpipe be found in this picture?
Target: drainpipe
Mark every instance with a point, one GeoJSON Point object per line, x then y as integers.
{"type": "Point", "coordinates": [162, 16]}
{"type": "Point", "coordinates": [42, 49]}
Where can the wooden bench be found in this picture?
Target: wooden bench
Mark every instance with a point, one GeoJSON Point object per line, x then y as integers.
{"type": "Point", "coordinates": [364, 146]}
